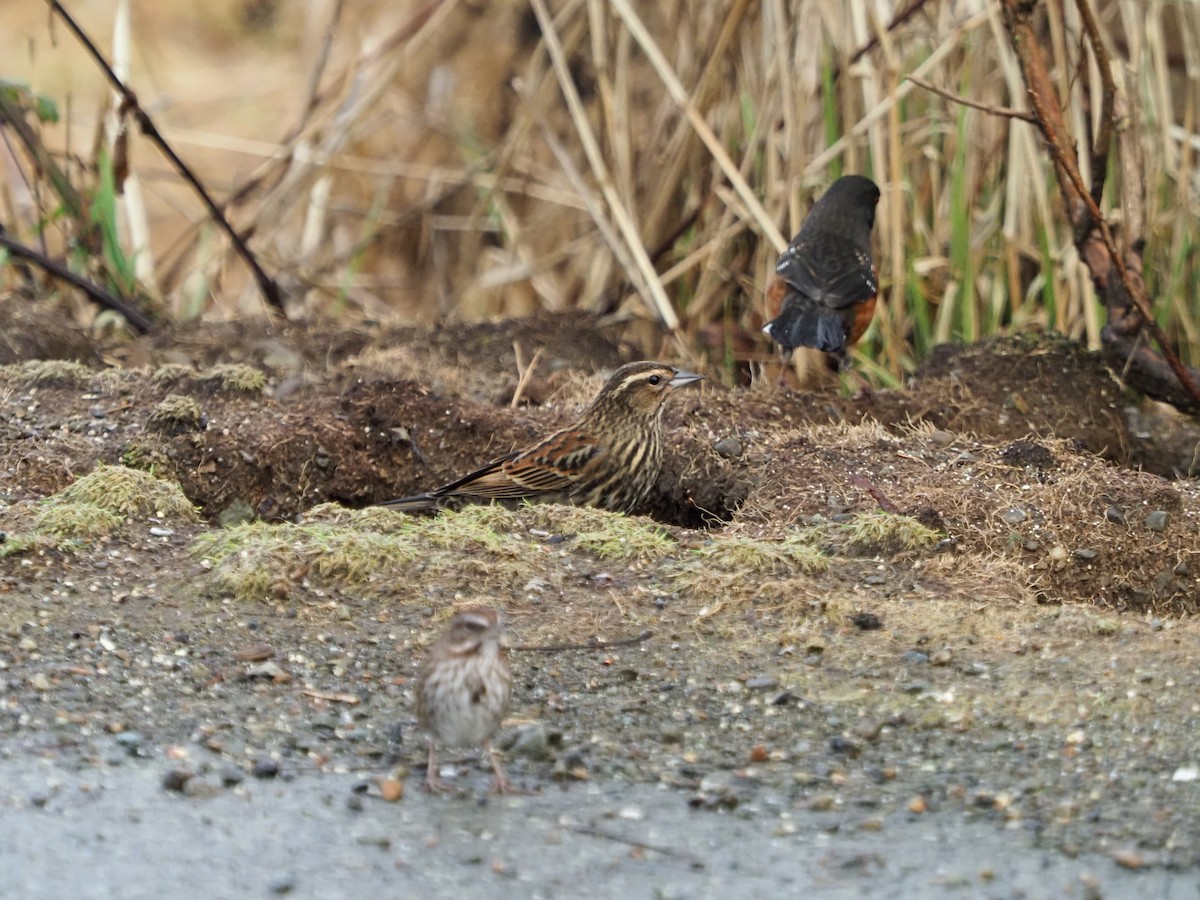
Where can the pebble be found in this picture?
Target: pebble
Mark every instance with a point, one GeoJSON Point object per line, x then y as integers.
{"type": "Point", "coordinates": [532, 742]}
{"type": "Point", "coordinates": [761, 683]}
{"type": "Point", "coordinates": [915, 657]}
{"type": "Point", "coordinates": [265, 767]}
{"type": "Point", "coordinates": [1086, 553]}
{"type": "Point", "coordinates": [728, 448]}
{"type": "Point", "coordinates": [132, 741]}
{"type": "Point", "coordinates": [942, 438]}
{"type": "Point", "coordinates": [27, 644]}
{"type": "Point", "coordinates": [845, 747]}
{"type": "Point", "coordinates": [159, 531]}
{"type": "Point", "coordinates": [282, 884]}
{"type": "Point", "coordinates": [1114, 515]}
{"type": "Point", "coordinates": [231, 776]}
{"type": "Point", "coordinates": [941, 658]}
{"type": "Point", "coordinates": [176, 779]}
{"type": "Point", "coordinates": [1013, 516]}
{"type": "Point", "coordinates": [1158, 520]}
{"type": "Point", "coordinates": [39, 682]}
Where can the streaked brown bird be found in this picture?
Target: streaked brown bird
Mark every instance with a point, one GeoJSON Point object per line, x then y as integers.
{"type": "Point", "coordinates": [824, 289]}
{"type": "Point", "coordinates": [464, 688]}
{"type": "Point", "coordinates": [609, 458]}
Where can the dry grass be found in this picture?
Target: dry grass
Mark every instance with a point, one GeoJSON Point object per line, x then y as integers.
{"type": "Point", "coordinates": [642, 160]}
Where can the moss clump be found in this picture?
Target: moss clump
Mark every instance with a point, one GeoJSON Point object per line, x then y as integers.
{"type": "Point", "coordinates": [252, 560]}
{"type": "Point", "coordinates": [146, 457]}
{"type": "Point", "coordinates": [608, 535]}
{"type": "Point", "coordinates": [76, 521]}
{"type": "Point", "coordinates": [234, 378]}
{"type": "Point", "coordinates": [128, 493]}
{"type": "Point", "coordinates": [882, 533]}
{"type": "Point", "coordinates": [736, 553]}
{"type": "Point", "coordinates": [46, 372]}
{"type": "Point", "coordinates": [176, 414]}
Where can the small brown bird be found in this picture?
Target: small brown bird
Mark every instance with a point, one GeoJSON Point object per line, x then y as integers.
{"type": "Point", "coordinates": [609, 458]}
{"type": "Point", "coordinates": [824, 289]}
{"type": "Point", "coordinates": [464, 688]}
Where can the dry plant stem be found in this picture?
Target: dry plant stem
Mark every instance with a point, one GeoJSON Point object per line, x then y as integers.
{"type": "Point", "coordinates": [268, 287]}
{"type": "Point", "coordinates": [524, 373]}
{"type": "Point", "coordinates": [135, 317]}
{"type": "Point", "coordinates": [13, 116]}
{"type": "Point", "coordinates": [660, 303]}
{"type": "Point", "coordinates": [1005, 111]}
{"type": "Point", "coordinates": [901, 16]}
{"type": "Point", "coordinates": [318, 70]}
{"type": "Point", "coordinates": [592, 644]}
{"type": "Point", "coordinates": [1101, 256]}
{"type": "Point", "coordinates": [679, 95]}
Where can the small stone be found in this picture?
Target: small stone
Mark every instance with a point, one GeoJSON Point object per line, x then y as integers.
{"type": "Point", "coordinates": [390, 789]}
{"type": "Point", "coordinates": [132, 741]}
{"type": "Point", "coordinates": [1188, 774]}
{"type": "Point", "coordinates": [942, 438]}
{"type": "Point", "coordinates": [343, 613]}
{"type": "Point", "coordinates": [1086, 553]}
{"type": "Point", "coordinates": [845, 747]}
{"type": "Point", "coordinates": [1128, 859]}
{"type": "Point", "coordinates": [27, 644]}
{"type": "Point", "coordinates": [1114, 515]}
{"type": "Point", "coordinates": [1158, 520]}
{"type": "Point", "coordinates": [159, 531]}
{"type": "Point", "coordinates": [1013, 516]}
{"type": "Point", "coordinates": [728, 448]}
{"type": "Point", "coordinates": [39, 682]}
{"type": "Point", "coordinates": [915, 657]}
{"type": "Point", "coordinates": [282, 884]}
{"type": "Point", "coordinates": [232, 776]}
{"type": "Point", "coordinates": [761, 683]}
{"type": "Point", "coordinates": [39, 799]}
{"type": "Point", "coordinates": [941, 657]}
{"type": "Point", "coordinates": [265, 767]}
{"type": "Point", "coordinates": [176, 779]}
{"type": "Point", "coordinates": [382, 841]}
{"type": "Point", "coordinates": [532, 742]}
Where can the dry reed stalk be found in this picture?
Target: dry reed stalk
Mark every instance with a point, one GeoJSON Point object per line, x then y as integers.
{"type": "Point", "coordinates": [658, 300]}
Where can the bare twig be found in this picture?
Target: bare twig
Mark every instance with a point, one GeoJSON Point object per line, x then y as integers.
{"type": "Point", "coordinates": [1004, 111]}
{"type": "Point", "coordinates": [901, 16]}
{"type": "Point", "coordinates": [129, 105]}
{"type": "Point", "coordinates": [525, 373]}
{"type": "Point", "coordinates": [134, 316]}
{"type": "Point", "coordinates": [592, 644]}
{"type": "Point", "coordinates": [1092, 234]}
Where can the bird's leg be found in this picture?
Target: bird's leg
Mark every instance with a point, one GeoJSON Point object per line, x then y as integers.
{"type": "Point", "coordinates": [432, 781]}
{"type": "Point", "coordinates": [502, 785]}
{"type": "Point", "coordinates": [846, 367]}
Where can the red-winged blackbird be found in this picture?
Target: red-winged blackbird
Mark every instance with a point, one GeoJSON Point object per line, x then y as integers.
{"type": "Point", "coordinates": [609, 458]}
{"type": "Point", "coordinates": [464, 688]}
{"type": "Point", "coordinates": [824, 289]}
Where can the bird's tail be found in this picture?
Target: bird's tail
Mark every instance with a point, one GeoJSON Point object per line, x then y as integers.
{"type": "Point", "coordinates": [807, 325]}
{"type": "Point", "coordinates": [415, 503]}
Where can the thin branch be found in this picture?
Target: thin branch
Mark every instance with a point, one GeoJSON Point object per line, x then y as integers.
{"type": "Point", "coordinates": [137, 320]}
{"type": "Point", "coordinates": [1103, 141]}
{"type": "Point", "coordinates": [129, 104]}
{"type": "Point", "coordinates": [1082, 209]}
{"type": "Point", "coordinates": [898, 19]}
{"type": "Point", "coordinates": [1004, 111]}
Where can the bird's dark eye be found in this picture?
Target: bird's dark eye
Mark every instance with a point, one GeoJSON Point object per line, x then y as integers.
{"type": "Point", "coordinates": [654, 379]}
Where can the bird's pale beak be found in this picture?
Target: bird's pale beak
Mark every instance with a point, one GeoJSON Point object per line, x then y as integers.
{"type": "Point", "coordinates": [681, 378]}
